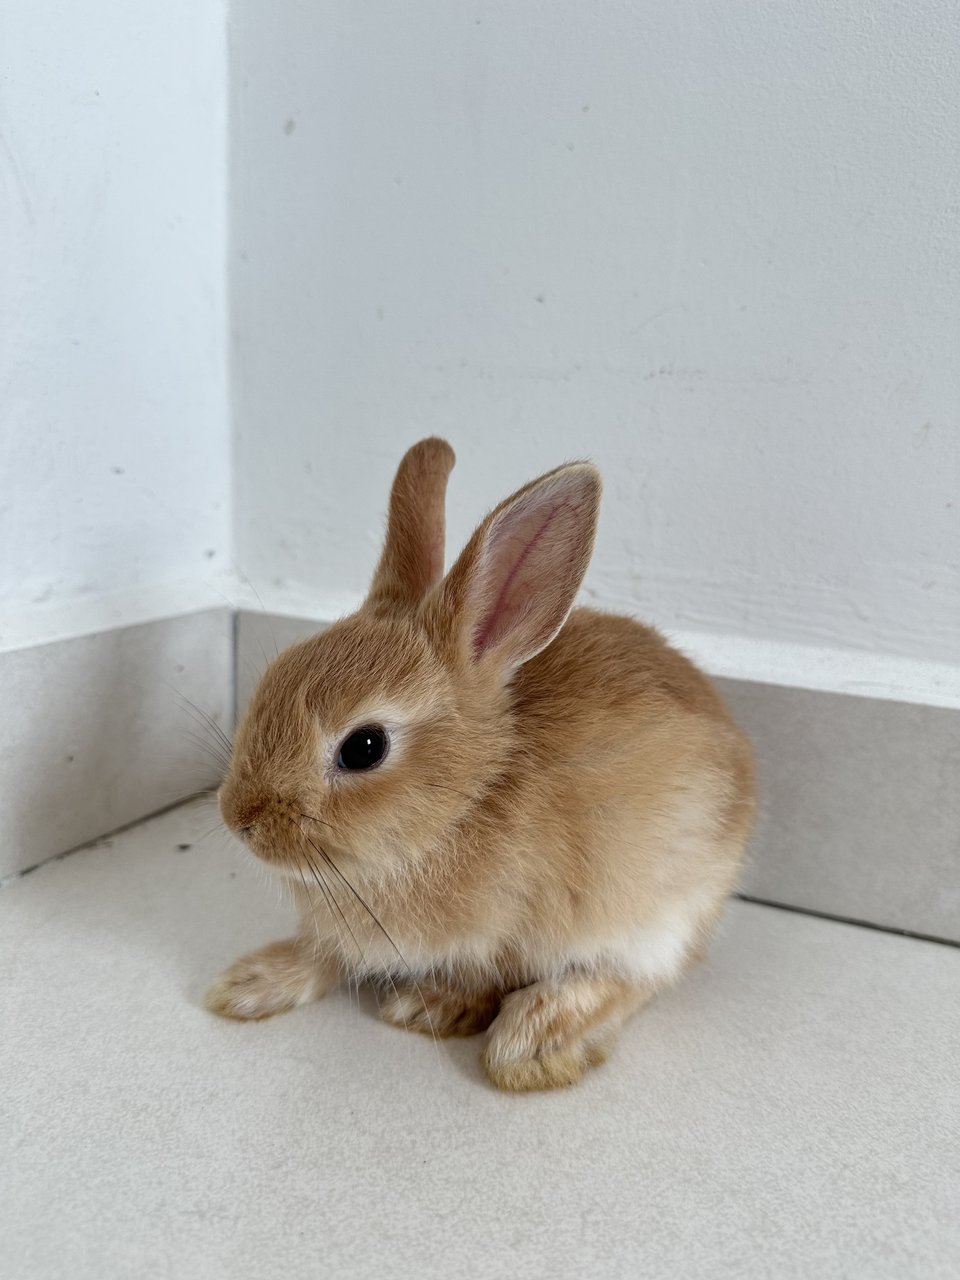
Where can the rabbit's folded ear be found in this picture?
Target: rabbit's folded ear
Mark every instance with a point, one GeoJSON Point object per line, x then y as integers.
{"type": "Point", "coordinates": [510, 591]}
{"type": "Point", "coordinates": [412, 559]}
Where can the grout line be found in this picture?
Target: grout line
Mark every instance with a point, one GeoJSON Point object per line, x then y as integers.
{"type": "Point", "coordinates": [851, 920]}
{"type": "Point", "coordinates": [107, 835]}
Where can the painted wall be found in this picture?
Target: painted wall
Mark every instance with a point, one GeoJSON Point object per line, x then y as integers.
{"type": "Point", "coordinates": [114, 444]}
{"type": "Point", "coordinates": [714, 246]}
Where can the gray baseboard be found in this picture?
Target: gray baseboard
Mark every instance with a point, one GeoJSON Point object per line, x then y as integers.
{"type": "Point", "coordinates": [859, 796]}
{"type": "Point", "coordinates": [96, 731]}
{"type": "Point", "coordinates": [859, 806]}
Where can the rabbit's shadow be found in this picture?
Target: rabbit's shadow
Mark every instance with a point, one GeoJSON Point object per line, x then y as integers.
{"type": "Point", "coordinates": [462, 1052]}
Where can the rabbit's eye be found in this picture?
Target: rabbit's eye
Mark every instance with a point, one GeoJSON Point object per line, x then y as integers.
{"type": "Point", "coordinates": [364, 748]}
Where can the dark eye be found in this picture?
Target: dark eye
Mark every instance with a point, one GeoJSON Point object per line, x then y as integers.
{"type": "Point", "coordinates": [363, 749]}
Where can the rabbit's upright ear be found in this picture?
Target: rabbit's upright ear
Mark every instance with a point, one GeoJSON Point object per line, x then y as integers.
{"type": "Point", "coordinates": [412, 559]}
{"type": "Point", "coordinates": [510, 591]}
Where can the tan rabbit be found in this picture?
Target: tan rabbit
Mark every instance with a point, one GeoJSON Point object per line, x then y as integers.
{"type": "Point", "coordinates": [503, 814]}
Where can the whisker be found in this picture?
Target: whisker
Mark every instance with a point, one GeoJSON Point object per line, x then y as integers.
{"type": "Point", "coordinates": [318, 946]}
{"type": "Point", "coordinates": [334, 908]}
{"type": "Point", "coordinates": [217, 827]}
{"type": "Point", "coordinates": [352, 974]}
{"type": "Point", "coordinates": [340, 875]}
{"type": "Point", "coordinates": [208, 741]}
{"type": "Point", "coordinates": [212, 750]}
{"type": "Point", "coordinates": [310, 818]}
{"type": "Point", "coordinates": [209, 727]}
{"type": "Point", "coordinates": [328, 890]}
{"type": "Point", "coordinates": [208, 721]}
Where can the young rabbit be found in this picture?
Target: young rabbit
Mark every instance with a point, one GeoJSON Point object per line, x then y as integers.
{"type": "Point", "coordinates": [503, 814]}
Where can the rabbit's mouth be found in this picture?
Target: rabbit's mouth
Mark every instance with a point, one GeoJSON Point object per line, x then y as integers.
{"type": "Point", "coordinates": [282, 842]}
{"type": "Point", "coordinates": [259, 814]}
{"type": "Point", "coordinates": [301, 847]}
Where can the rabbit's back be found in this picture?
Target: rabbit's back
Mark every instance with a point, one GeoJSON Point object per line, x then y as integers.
{"type": "Point", "coordinates": [630, 795]}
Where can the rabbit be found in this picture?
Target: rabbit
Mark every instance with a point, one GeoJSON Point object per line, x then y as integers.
{"type": "Point", "coordinates": [506, 814]}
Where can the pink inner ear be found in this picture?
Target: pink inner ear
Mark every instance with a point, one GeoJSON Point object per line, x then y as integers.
{"type": "Point", "coordinates": [530, 568]}
{"type": "Point", "coordinates": [514, 550]}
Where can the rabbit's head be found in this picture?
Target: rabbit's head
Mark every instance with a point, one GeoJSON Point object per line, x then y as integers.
{"type": "Point", "coordinates": [377, 736]}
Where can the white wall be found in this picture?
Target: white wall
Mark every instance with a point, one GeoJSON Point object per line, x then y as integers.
{"type": "Point", "coordinates": [713, 245]}
{"type": "Point", "coordinates": [114, 446]}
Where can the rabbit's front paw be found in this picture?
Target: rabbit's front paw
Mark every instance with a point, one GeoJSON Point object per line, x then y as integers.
{"type": "Point", "coordinates": [438, 1010]}
{"type": "Point", "coordinates": [547, 1070]}
{"type": "Point", "coordinates": [275, 978]}
{"type": "Point", "coordinates": [548, 1035]}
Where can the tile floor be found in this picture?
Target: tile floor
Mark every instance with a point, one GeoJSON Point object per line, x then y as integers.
{"type": "Point", "coordinates": [792, 1111]}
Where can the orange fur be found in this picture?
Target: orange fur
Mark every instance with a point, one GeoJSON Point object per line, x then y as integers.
{"type": "Point", "coordinates": [562, 812]}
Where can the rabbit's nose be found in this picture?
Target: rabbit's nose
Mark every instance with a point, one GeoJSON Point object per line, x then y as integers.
{"type": "Point", "coordinates": [243, 832]}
